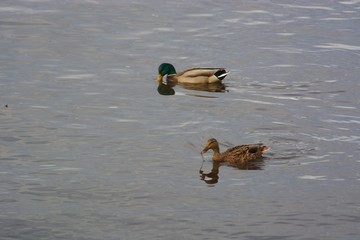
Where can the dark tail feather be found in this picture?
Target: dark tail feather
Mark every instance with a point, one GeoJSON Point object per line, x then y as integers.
{"type": "Point", "coordinates": [265, 149]}
{"type": "Point", "coordinates": [258, 147]}
{"type": "Point", "coordinates": [221, 74]}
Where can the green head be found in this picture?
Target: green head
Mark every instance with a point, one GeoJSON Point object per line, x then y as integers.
{"type": "Point", "coordinates": [165, 69]}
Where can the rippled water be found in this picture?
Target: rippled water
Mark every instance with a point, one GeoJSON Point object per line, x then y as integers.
{"type": "Point", "coordinates": [91, 149]}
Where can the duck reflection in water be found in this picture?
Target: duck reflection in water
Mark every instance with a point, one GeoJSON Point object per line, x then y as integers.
{"type": "Point", "coordinates": [165, 89]}
{"type": "Point", "coordinates": [212, 177]}
{"type": "Point", "coordinates": [168, 87]}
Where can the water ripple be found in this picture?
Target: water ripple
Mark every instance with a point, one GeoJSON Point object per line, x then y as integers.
{"type": "Point", "coordinates": [339, 46]}
{"type": "Point", "coordinates": [350, 2]}
{"type": "Point", "coordinates": [352, 138]}
{"type": "Point", "coordinates": [77, 76]}
{"type": "Point", "coordinates": [253, 23]}
{"type": "Point", "coordinates": [307, 7]}
{"type": "Point", "coordinates": [310, 177]}
{"type": "Point", "coordinates": [258, 101]}
{"type": "Point", "coordinates": [340, 121]}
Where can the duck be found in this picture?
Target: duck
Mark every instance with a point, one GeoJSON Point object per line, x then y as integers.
{"type": "Point", "coordinates": [192, 75]}
{"type": "Point", "coordinates": [235, 155]}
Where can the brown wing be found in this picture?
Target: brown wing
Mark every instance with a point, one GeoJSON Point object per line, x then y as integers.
{"type": "Point", "coordinates": [238, 150]}
{"type": "Point", "coordinates": [242, 152]}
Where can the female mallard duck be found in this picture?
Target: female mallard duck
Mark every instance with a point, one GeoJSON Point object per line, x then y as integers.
{"type": "Point", "coordinates": [235, 155]}
{"type": "Point", "coordinates": [193, 75]}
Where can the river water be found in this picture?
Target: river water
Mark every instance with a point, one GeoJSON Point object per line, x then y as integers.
{"type": "Point", "coordinates": [91, 148]}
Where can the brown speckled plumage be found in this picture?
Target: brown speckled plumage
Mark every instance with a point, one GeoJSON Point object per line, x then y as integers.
{"type": "Point", "coordinates": [238, 154]}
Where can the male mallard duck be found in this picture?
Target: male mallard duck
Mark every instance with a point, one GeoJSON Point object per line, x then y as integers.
{"type": "Point", "coordinates": [235, 155]}
{"type": "Point", "coordinates": [193, 75]}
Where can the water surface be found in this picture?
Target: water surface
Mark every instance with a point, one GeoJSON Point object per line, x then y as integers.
{"type": "Point", "coordinates": [89, 149]}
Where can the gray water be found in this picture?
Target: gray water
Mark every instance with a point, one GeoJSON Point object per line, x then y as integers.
{"type": "Point", "coordinates": [89, 149]}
